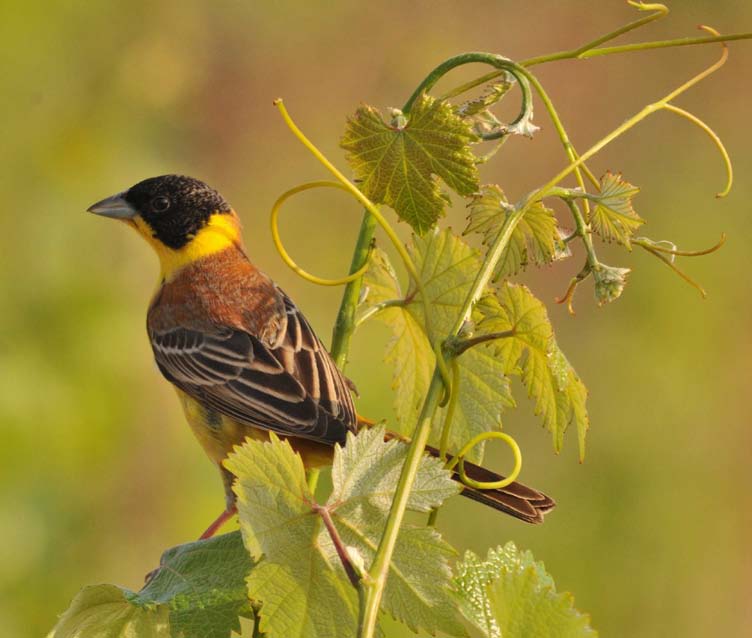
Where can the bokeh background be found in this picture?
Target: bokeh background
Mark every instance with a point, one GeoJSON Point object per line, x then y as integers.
{"type": "Point", "coordinates": [98, 471]}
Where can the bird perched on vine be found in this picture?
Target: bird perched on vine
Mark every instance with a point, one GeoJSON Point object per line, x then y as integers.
{"type": "Point", "coordinates": [242, 357]}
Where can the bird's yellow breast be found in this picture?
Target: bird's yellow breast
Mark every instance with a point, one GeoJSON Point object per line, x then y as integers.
{"type": "Point", "coordinates": [219, 434]}
{"type": "Point", "coordinates": [216, 433]}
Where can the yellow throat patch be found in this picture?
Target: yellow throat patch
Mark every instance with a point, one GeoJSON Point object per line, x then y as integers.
{"type": "Point", "coordinates": [221, 232]}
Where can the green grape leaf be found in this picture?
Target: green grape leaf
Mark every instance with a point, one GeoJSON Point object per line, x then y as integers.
{"type": "Point", "coordinates": [300, 581]}
{"type": "Point", "coordinates": [533, 353]}
{"type": "Point", "coordinates": [397, 163]}
{"type": "Point", "coordinates": [365, 475]}
{"type": "Point", "coordinates": [535, 239]}
{"type": "Point", "coordinates": [199, 591]}
{"type": "Point", "coordinates": [447, 267]}
{"type": "Point", "coordinates": [203, 585]}
{"type": "Point", "coordinates": [613, 217]}
{"type": "Point", "coordinates": [511, 595]}
{"type": "Point", "coordinates": [103, 611]}
{"type": "Point", "coordinates": [408, 351]}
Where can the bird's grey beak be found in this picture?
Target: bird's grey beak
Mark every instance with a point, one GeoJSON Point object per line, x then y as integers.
{"type": "Point", "coordinates": [115, 207]}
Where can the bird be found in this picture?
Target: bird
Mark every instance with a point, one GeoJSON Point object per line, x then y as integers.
{"type": "Point", "coordinates": [241, 356]}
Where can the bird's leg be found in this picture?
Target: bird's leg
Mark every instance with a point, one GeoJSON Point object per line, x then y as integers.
{"type": "Point", "coordinates": [221, 520]}
{"type": "Point", "coordinates": [230, 509]}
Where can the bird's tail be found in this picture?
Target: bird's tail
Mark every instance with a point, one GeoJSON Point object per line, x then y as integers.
{"type": "Point", "coordinates": [516, 499]}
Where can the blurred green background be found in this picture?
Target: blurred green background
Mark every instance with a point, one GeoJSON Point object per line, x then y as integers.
{"type": "Point", "coordinates": [98, 471]}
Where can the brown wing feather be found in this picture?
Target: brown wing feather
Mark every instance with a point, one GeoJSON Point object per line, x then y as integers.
{"type": "Point", "coordinates": [277, 376]}
{"type": "Point", "coordinates": [313, 367]}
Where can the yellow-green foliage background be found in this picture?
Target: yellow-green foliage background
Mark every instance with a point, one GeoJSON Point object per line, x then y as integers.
{"type": "Point", "coordinates": [98, 472]}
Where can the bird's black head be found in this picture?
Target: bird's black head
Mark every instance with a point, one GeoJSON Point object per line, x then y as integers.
{"type": "Point", "coordinates": [174, 207]}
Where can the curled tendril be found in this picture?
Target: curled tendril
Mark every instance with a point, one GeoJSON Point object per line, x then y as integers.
{"type": "Point", "coordinates": [703, 74]}
{"type": "Point", "coordinates": [446, 377]}
{"type": "Point", "coordinates": [716, 140]}
{"type": "Point", "coordinates": [459, 459]}
{"type": "Point", "coordinates": [499, 62]}
{"type": "Point", "coordinates": [662, 9]}
{"type": "Point", "coordinates": [702, 125]}
{"type": "Point", "coordinates": [281, 249]}
{"type": "Point", "coordinates": [661, 252]}
{"type": "Point", "coordinates": [451, 408]}
{"type": "Point", "coordinates": [657, 245]}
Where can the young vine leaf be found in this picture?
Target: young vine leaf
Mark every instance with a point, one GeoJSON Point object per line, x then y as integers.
{"type": "Point", "coordinates": [478, 110]}
{"type": "Point", "coordinates": [300, 581]}
{"type": "Point", "coordinates": [536, 238]}
{"type": "Point", "coordinates": [447, 267]}
{"type": "Point", "coordinates": [492, 95]}
{"type": "Point", "coordinates": [511, 595]}
{"type": "Point", "coordinates": [199, 590]}
{"type": "Point", "coordinates": [398, 163]}
{"type": "Point", "coordinates": [532, 352]}
{"type": "Point", "coordinates": [613, 217]}
{"type": "Point", "coordinates": [609, 282]}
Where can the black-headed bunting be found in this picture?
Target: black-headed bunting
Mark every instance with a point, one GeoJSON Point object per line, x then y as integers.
{"type": "Point", "coordinates": [242, 357]}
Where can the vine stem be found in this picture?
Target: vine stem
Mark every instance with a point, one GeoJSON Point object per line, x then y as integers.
{"type": "Point", "coordinates": [377, 308]}
{"type": "Point", "coordinates": [339, 546]}
{"type": "Point", "coordinates": [658, 11]}
{"type": "Point", "coordinates": [575, 54]}
{"type": "Point", "coordinates": [471, 342]}
{"type": "Point", "coordinates": [373, 585]}
{"type": "Point", "coordinates": [639, 46]}
{"type": "Point", "coordinates": [583, 230]}
{"type": "Point", "coordinates": [344, 325]}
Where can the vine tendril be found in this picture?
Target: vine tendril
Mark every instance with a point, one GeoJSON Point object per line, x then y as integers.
{"type": "Point", "coordinates": [654, 245]}
{"type": "Point", "coordinates": [492, 59]}
{"type": "Point", "coordinates": [274, 220]}
{"type": "Point", "coordinates": [661, 252]}
{"type": "Point", "coordinates": [443, 442]}
{"type": "Point", "coordinates": [459, 459]}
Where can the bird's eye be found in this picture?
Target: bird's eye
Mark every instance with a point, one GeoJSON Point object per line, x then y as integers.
{"type": "Point", "coordinates": [160, 204]}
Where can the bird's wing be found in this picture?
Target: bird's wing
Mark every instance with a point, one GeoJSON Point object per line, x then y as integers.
{"type": "Point", "coordinates": [288, 383]}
